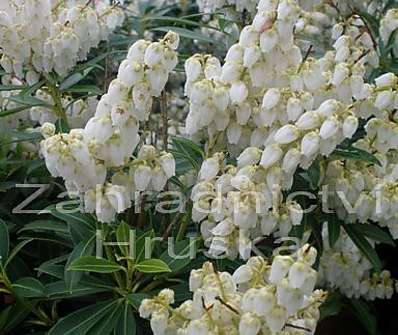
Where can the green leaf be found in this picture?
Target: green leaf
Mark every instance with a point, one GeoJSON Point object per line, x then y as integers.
{"type": "Point", "coordinates": [364, 314]}
{"type": "Point", "coordinates": [371, 21]}
{"type": "Point", "coordinates": [58, 290]}
{"type": "Point", "coordinates": [81, 226]}
{"type": "Point", "coordinates": [16, 250]}
{"type": "Point", "coordinates": [28, 100]}
{"type": "Point", "coordinates": [123, 236]}
{"type": "Point", "coordinates": [85, 89]}
{"type": "Point", "coordinates": [390, 44]}
{"type": "Point", "coordinates": [376, 233]}
{"type": "Point", "coordinates": [312, 175]}
{"type": "Point", "coordinates": [334, 227]}
{"type": "Point", "coordinates": [46, 225]}
{"type": "Point", "coordinates": [135, 299]}
{"type": "Point", "coordinates": [12, 111]}
{"type": "Point", "coordinates": [152, 266]}
{"type": "Point", "coordinates": [357, 236]}
{"type": "Point", "coordinates": [74, 78]}
{"type": "Point", "coordinates": [72, 278]}
{"type": "Point", "coordinates": [187, 154]}
{"type": "Point", "coordinates": [62, 126]}
{"type": "Point", "coordinates": [53, 270]}
{"type": "Point", "coordinates": [126, 324]}
{"type": "Point", "coordinates": [186, 33]}
{"type": "Point", "coordinates": [82, 320]}
{"type": "Point", "coordinates": [332, 305]}
{"type": "Point", "coordinates": [178, 257]}
{"type": "Point", "coordinates": [140, 245]}
{"type": "Point", "coordinates": [28, 288]}
{"type": "Point", "coordinates": [12, 316]}
{"type": "Point", "coordinates": [4, 241]}
{"type": "Point", "coordinates": [12, 87]}
{"type": "Point", "coordinates": [355, 154]}
{"type": "Point", "coordinates": [108, 322]}
{"type": "Point", "coordinates": [94, 264]}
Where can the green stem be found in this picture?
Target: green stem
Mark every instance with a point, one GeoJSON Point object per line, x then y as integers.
{"type": "Point", "coordinates": [56, 95]}
{"type": "Point", "coordinates": [183, 228]}
{"type": "Point", "coordinates": [116, 275]}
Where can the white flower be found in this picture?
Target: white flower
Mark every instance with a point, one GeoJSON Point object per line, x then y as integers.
{"type": "Point", "coordinates": [158, 179]}
{"type": "Point", "coordinates": [279, 269]}
{"type": "Point", "coordinates": [242, 274]}
{"type": "Point", "coordinates": [350, 126]}
{"type": "Point", "coordinates": [298, 274]}
{"type": "Point", "coordinates": [287, 134]}
{"type": "Point", "coordinates": [224, 228]}
{"type": "Point", "coordinates": [294, 109]}
{"type": "Point", "coordinates": [276, 318]}
{"type": "Point", "coordinates": [329, 128]}
{"type": "Point", "coordinates": [340, 74]}
{"type": "Point", "coordinates": [244, 216]}
{"type": "Point", "coordinates": [271, 155]}
{"type": "Point", "coordinates": [384, 99]}
{"type": "Point", "coordinates": [193, 68]}
{"type": "Point", "coordinates": [251, 56]}
{"type": "Point", "coordinates": [249, 156]}
{"type": "Point", "coordinates": [47, 130]}
{"type": "Point", "coordinates": [308, 120]}
{"type": "Point", "coordinates": [130, 73]}
{"type": "Point", "coordinates": [142, 177]}
{"type": "Point", "coordinates": [238, 92]}
{"type": "Point", "coordinates": [153, 54]}
{"type": "Point", "coordinates": [387, 80]}
{"type": "Point", "coordinates": [289, 297]}
{"type": "Point", "coordinates": [234, 132]}
{"type": "Point", "coordinates": [310, 144]}
{"type": "Point", "coordinates": [249, 324]}
{"type": "Point", "coordinates": [296, 213]}
{"type": "Point", "coordinates": [168, 164]}
{"type": "Point", "coordinates": [291, 160]}
{"type": "Point", "coordinates": [271, 98]}
{"type": "Point", "coordinates": [209, 169]}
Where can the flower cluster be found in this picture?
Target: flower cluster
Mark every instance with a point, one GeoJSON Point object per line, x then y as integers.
{"type": "Point", "coordinates": [6, 104]}
{"type": "Point", "coordinates": [279, 111]}
{"type": "Point", "coordinates": [39, 36]}
{"type": "Point", "coordinates": [388, 25]}
{"type": "Point", "coordinates": [344, 267]}
{"type": "Point", "coordinates": [260, 297]}
{"type": "Point", "coordinates": [109, 139]}
{"type": "Point", "coordinates": [237, 206]}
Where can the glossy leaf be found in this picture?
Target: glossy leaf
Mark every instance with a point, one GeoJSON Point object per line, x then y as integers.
{"type": "Point", "coordinates": [94, 264]}
{"type": "Point", "coordinates": [82, 320]}
{"type": "Point", "coordinates": [28, 288]}
{"type": "Point", "coordinates": [363, 245]}
{"type": "Point", "coordinates": [152, 266]}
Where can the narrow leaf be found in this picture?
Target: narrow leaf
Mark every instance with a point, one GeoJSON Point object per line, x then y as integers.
{"type": "Point", "coordinates": [94, 264]}
{"type": "Point", "coordinates": [363, 244]}
{"type": "Point", "coordinates": [28, 288]}
{"type": "Point", "coordinates": [152, 266]}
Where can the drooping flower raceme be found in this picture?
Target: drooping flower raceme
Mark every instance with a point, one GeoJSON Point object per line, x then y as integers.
{"type": "Point", "coordinates": [237, 206]}
{"type": "Point", "coordinates": [84, 157]}
{"type": "Point", "coordinates": [278, 111]}
{"type": "Point", "coordinates": [344, 267]}
{"type": "Point", "coordinates": [260, 297]}
{"type": "Point", "coordinates": [39, 36]}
